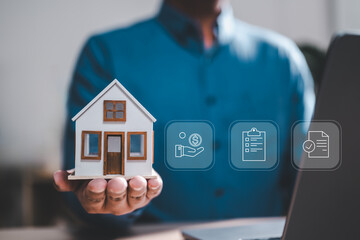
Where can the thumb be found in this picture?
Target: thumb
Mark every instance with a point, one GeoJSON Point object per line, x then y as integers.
{"type": "Point", "coordinates": [61, 182]}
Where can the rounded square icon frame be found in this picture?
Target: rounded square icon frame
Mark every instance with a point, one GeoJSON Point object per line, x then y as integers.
{"type": "Point", "coordinates": [190, 169]}
{"type": "Point", "coordinates": [337, 124]}
{"type": "Point", "coordinates": [254, 169]}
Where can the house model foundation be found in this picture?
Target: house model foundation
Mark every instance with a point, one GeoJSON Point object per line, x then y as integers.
{"type": "Point", "coordinates": [114, 137]}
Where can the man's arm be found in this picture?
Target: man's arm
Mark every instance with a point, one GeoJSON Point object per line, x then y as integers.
{"type": "Point", "coordinates": [302, 99]}
{"type": "Point", "coordinates": [93, 72]}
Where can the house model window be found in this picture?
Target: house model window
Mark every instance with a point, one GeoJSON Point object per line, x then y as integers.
{"type": "Point", "coordinates": [115, 111]}
{"type": "Point", "coordinates": [136, 147]}
{"type": "Point", "coordinates": [91, 145]}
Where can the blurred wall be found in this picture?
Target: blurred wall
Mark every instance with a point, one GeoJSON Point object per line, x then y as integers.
{"type": "Point", "coordinates": [41, 39]}
{"type": "Point", "coordinates": [346, 15]}
{"type": "Point", "coordinates": [301, 20]}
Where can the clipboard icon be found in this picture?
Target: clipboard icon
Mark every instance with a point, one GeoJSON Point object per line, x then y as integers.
{"type": "Point", "coordinates": [253, 145]}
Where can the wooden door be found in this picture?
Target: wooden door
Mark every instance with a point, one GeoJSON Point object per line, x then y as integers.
{"type": "Point", "coordinates": [114, 153]}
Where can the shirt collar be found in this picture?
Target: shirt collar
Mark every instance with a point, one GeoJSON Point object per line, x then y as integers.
{"type": "Point", "coordinates": [186, 31]}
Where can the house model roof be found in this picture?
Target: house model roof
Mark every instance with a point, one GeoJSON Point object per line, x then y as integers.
{"type": "Point", "coordinates": [126, 92]}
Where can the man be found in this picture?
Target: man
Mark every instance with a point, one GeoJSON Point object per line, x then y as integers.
{"type": "Point", "coordinates": [193, 61]}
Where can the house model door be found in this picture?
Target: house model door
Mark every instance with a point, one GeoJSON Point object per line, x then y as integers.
{"type": "Point", "coordinates": [114, 153]}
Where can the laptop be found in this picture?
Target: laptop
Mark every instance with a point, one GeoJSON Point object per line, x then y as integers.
{"type": "Point", "coordinates": [325, 204]}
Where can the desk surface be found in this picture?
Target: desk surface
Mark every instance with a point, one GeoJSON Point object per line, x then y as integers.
{"type": "Point", "coordinates": [139, 232]}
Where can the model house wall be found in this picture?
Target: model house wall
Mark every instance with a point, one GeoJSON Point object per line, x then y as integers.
{"type": "Point", "coordinates": [93, 119]}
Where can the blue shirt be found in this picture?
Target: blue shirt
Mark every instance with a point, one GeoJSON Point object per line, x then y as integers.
{"type": "Point", "coordinates": [249, 74]}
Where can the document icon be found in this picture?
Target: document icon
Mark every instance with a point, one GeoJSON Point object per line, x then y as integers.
{"type": "Point", "coordinates": [317, 144]}
{"type": "Point", "coordinates": [253, 145]}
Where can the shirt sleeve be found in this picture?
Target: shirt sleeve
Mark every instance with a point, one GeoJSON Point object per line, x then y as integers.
{"type": "Point", "coordinates": [301, 107]}
{"type": "Point", "coordinates": [93, 72]}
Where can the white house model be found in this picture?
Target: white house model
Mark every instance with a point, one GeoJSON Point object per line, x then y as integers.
{"type": "Point", "coordinates": [114, 136]}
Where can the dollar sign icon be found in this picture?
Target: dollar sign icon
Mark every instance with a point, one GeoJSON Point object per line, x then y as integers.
{"type": "Point", "coordinates": [195, 139]}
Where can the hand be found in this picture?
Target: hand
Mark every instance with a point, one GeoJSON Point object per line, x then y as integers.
{"type": "Point", "coordinates": [187, 151]}
{"type": "Point", "coordinates": [192, 152]}
{"type": "Point", "coordinates": [116, 196]}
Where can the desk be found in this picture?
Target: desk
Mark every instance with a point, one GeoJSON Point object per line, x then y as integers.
{"type": "Point", "coordinates": [166, 231]}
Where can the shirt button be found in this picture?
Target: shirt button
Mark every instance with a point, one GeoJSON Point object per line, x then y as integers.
{"type": "Point", "coordinates": [219, 192]}
{"type": "Point", "coordinates": [210, 100]}
{"type": "Point", "coordinates": [217, 144]}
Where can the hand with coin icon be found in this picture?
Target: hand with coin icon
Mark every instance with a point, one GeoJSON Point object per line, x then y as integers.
{"type": "Point", "coordinates": [195, 141]}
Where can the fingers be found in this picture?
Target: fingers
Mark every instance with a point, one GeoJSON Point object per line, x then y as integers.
{"type": "Point", "coordinates": [116, 199]}
{"type": "Point", "coordinates": [154, 187]}
{"type": "Point", "coordinates": [116, 196]}
{"type": "Point", "coordinates": [199, 150]}
{"type": "Point", "coordinates": [62, 183]}
{"type": "Point", "coordinates": [191, 150]}
{"type": "Point", "coordinates": [137, 192]}
{"type": "Point", "coordinates": [92, 197]}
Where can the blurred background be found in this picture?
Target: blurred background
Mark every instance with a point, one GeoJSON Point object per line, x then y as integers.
{"type": "Point", "coordinates": [39, 43]}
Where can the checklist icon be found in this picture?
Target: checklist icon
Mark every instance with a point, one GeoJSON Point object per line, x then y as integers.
{"type": "Point", "coordinates": [254, 145]}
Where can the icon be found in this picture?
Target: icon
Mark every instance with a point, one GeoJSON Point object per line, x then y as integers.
{"type": "Point", "coordinates": [309, 146]}
{"type": "Point", "coordinates": [189, 145]}
{"type": "Point", "coordinates": [254, 145]}
{"type": "Point", "coordinates": [195, 140]}
{"type": "Point", "coordinates": [182, 135]}
{"type": "Point", "coordinates": [186, 151]}
{"type": "Point", "coordinates": [317, 144]}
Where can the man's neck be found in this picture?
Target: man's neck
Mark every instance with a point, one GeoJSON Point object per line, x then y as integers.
{"type": "Point", "coordinates": [204, 12]}
{"type": "Point", "coordinates": [207, 29]}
